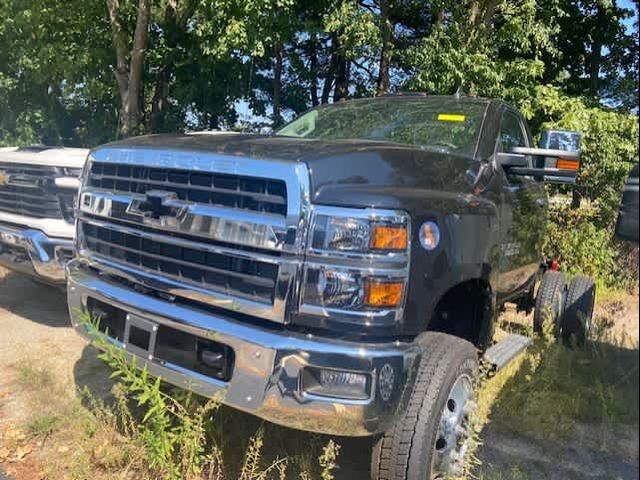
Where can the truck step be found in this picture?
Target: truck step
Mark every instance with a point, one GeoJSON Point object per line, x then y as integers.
{"type": "Point", "coordinates": [506, 350]}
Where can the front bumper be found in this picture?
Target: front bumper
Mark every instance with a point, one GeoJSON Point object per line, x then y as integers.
{"type": "Point", "coordinates": [268, 367]}
{"type": "Point", "coordinates": [34, 253]}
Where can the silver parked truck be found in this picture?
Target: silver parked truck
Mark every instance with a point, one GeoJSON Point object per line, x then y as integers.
{"type": "Point", "coordinates": [38, 191]}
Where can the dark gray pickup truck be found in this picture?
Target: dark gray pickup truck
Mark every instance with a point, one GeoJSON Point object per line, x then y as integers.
{"type": "Point", "coordinates": [341, 276]}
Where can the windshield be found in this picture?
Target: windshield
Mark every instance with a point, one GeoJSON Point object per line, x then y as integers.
{"type": "Point", "coordinates": [444, 124]}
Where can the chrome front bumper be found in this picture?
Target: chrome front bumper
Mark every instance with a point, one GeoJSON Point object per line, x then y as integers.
{"type": "Point", "coordinates": [34, 253]}
{"type": "Point", "coordinates": [266, 377]}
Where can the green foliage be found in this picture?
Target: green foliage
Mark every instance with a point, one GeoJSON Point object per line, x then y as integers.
{"type": "Point", "coordinates": [240, 26]}
{"type": "Point", "coordinates": [328, 460]}
{"type": "Point", "coordinates": [581, 247]}
{"type": "Point", "coordinates": [359, 32]}
{"type": "Point", "coordinates": [609, 144]}
{"type": "Point", "coordinates": [582, 238]}
{"type": "Point", "coordinates": [493, 50]}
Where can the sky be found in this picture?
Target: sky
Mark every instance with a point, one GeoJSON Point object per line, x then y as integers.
{"type": "Point", "coordinates": [630, 5]}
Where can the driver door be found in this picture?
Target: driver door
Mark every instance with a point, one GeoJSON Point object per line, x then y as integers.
{"type": "Point", "coordinates": [523, 213]}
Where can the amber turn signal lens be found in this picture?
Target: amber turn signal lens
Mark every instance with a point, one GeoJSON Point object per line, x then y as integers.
{"type": "Point", "coordinates": [384, 237]}
{"type": "Point", "coordinates": [380, 293]}
{"type": "Point", "coordinates": [563, 164]}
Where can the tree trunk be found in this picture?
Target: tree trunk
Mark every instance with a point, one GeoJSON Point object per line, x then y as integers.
{"type": "Point", "coordinates": [121, 69]}
{"type": "Point", "coordinates": [313, 68]}
{"type": "Point", "coordinates": [160, 96]}
{"type": "Point", "coordinates": [277, 83]}
{"type": "Point", "coordinates": [129, 73]}
{"type": "Point", "coordinates": [342, 80]}
{"type": "Point", "coordinates": [136, 69]}
{"type": "Point", "coordinates": [330, 76]}
{"type": "Point", "coordinates": [328, 85]}
{"type": "Point", "coordinates": [174, 27]}
{"type": "Point", "coordinates": [341, 89]}
{"type": "Point", "coordinates": [384, 82]}
{"type": "Point", "coordinates": [595, 59]}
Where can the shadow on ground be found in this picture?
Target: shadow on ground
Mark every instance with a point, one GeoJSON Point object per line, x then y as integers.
{"type": "Point", "coordinates": [44, 304]}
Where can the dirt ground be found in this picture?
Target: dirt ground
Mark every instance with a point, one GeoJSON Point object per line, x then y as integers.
{"type": "Point", "coordinates": [34, 328]}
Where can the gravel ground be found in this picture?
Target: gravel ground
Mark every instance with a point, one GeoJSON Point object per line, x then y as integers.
{"type": "Point", "coordinates": [34, 325]}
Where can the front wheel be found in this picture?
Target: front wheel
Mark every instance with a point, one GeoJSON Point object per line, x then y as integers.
{"type": "Point", "coordinates": [431, 440]}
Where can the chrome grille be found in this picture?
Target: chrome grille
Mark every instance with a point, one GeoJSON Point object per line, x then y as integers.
{"type": "Point", "coordinates": [27, 190]}
{"type": "Point", "coordinates": [223, 231]}
{"type": "Point", "coordinates": [219, 189]}
{"type": "Point", "coordinates": [232, 275]}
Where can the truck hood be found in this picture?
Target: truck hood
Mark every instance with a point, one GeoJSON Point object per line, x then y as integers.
{"type": "Point", "coordinates": [338, 169]}
{"type": "Point", "coordinates": [51, 157]}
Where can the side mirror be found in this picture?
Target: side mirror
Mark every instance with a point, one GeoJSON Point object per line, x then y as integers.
{"type": "Point", "coordinates": [627, 226]}
{"type": "Point", "coordinates": [557, 161]}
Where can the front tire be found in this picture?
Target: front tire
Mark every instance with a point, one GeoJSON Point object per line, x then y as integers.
{"type": "Point", "coordinates": [431, 440]}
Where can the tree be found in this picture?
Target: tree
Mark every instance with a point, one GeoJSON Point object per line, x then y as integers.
{"type": "Point", "coordinates": [129, 65]}
{"type": "Point", "coordinates": [55, 86]}
{"type": "Point", "coordinates": [596, 54]}
{"type": "Point", "coordinates": [486, 47]}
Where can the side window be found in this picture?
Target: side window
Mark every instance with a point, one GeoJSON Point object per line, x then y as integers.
{"type": "Point", "coordinates": [512, 134]}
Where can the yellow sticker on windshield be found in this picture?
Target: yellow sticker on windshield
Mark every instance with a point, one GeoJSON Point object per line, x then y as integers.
{"type": "Point", "coordinates": [451, 117]}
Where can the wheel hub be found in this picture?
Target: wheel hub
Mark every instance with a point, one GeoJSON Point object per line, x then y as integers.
{"type": "Point", "coordinates": [452, 439]}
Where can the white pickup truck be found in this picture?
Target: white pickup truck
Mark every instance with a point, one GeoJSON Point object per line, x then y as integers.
{"type": "Point", "coordinates": [38, 191]}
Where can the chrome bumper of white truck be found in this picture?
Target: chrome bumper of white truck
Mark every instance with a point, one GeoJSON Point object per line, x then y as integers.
{"type": "Point", "coordinates": [32, 252]}
{"type": "Point", "coordinates": [266, 375]}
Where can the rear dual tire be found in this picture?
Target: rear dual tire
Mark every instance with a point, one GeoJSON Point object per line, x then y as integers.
{"type": "Point", "coordinates": [578, 313]}
{"type": "Point", "coordinates": [550, 303]}
{"type": "Point", "coordinates": [567, 309]}
{"type": "Point", "coordinates": [430, 441]}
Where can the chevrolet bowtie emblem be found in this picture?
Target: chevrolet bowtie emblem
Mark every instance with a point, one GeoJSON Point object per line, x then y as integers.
{"type": "Point", "coordinates": [4, 178]}
{"type": "Point", "coordinates": [155, 205]}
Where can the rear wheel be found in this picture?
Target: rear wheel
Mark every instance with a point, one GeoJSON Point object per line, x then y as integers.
{"type": "Point", "coordinates": [550, 302]}
{"type": "Point", "coordinates": [578, 312]}
{"type": "Point", "coordinates": [431, 440]}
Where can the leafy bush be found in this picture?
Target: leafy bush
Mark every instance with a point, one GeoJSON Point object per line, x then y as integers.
{"type": "Point", "coordinates": [582, 246]}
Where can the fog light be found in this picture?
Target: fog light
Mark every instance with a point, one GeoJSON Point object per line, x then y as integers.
{"type": "Point", "coordinates": [336, 383]}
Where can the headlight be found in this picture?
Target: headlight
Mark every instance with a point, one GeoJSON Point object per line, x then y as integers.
{"type": "Point", "coordinates": [357, 265]}
{"type": "Point", "coordinates": [351, 289]}
{"type": "Point", "coordinates": [360, 235]}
